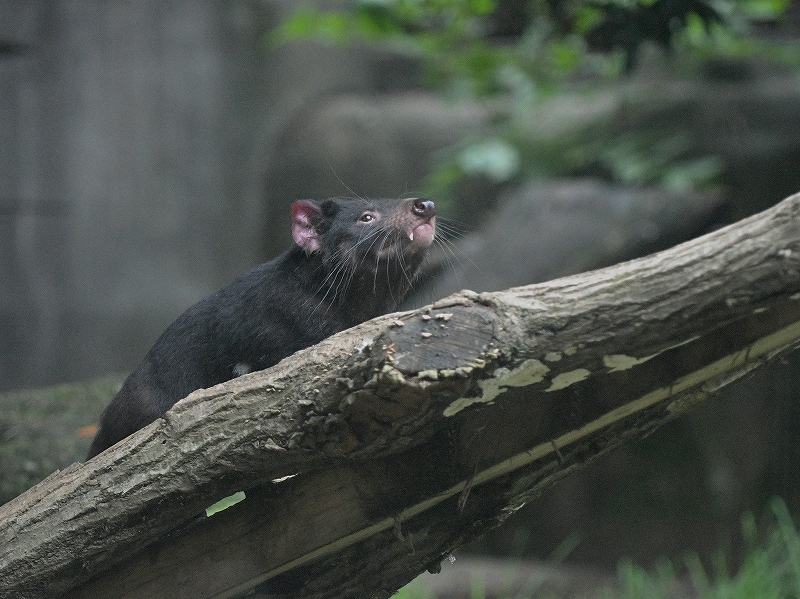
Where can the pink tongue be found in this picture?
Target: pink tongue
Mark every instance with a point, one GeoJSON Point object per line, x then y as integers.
{"type": "Point", "coordinates": [422, 235]}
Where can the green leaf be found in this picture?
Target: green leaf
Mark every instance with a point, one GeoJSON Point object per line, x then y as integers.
{"type": "Point", "coordinates": [494, 158]}
{"type": "Point", "coordinates": [482, 7]}
{"type": "Point", "coordinates": [764, 9]}
{"type": "Point", "coordinates": [225, 503]}
{"type": "Point", "coordinates": [587, 17]}
{"type": "Point", "coordinates": [691, 175]}
{"type": "Point", "coordinates": [565, 56]}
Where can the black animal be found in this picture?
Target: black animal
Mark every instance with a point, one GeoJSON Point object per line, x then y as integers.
{"type": "Point", "coordinates": [353, 259]}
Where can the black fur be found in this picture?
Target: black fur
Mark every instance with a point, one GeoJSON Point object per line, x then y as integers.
{"type": "Point", "coordinates": [353, 260]}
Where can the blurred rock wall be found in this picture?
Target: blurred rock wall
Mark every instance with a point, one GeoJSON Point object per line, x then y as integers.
{"type": "Point", "coordinates": [134, 142]}
{"type": "Point", "coordinates": [149, 153]}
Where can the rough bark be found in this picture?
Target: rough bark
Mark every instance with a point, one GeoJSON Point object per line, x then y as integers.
{"type": "Point", "coordinates": [410, 434]}
{"type": "Point", "coordinates": [561, 228]}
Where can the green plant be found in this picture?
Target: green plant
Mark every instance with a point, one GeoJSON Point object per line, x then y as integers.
{"type": "Point", "coordinates": [472, 49]}
{"type": "Point", "coordinates": [769, 570]}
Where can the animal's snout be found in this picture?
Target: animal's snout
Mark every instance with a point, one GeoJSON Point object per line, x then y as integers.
{"type": "Point", "coordinates": [424, 208]}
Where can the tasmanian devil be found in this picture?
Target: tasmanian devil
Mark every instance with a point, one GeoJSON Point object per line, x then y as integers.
{"type": "Point", "coordinates": [353, 259]}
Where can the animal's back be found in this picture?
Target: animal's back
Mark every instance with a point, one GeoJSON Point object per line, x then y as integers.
{"type": "Point", "coordinates": [353, 260]}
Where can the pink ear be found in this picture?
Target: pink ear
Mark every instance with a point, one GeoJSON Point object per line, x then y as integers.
{"type": "Point", "coordinates": [305, 214]}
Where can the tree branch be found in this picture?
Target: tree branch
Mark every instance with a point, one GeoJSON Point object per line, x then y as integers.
{"type": "Point", "coordinates": [410, 434]}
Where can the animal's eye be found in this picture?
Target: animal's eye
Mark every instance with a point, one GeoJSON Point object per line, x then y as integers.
{"type": "Point", "coordinates": [367, 217]}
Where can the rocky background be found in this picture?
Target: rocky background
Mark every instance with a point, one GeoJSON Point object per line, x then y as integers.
{"type": "Point", "coordinates": [149, 153]}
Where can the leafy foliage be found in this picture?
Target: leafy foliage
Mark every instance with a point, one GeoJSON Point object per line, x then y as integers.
{"type": "Point", "coordinates": [472, 44]}
{"type": "Point", "coordinates": [771, 568]}
{"type": "Point", "coordinates": [523, 51]}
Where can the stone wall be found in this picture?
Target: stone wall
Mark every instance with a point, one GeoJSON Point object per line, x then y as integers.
{"type": "Point", "coordinates": [134, 139]}
{"type": "Point", "coordinates": [149, 153]}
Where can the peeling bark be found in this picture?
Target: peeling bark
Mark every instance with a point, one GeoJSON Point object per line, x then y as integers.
{"type": "Point", "coordinates": [409, 435]}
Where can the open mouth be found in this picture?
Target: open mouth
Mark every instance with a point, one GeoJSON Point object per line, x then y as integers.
{"type": "Point", "coordinates": [422, 235]}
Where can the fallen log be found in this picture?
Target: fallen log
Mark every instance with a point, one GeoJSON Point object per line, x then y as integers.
{"type": "Point", "coordinates": [409, 435]}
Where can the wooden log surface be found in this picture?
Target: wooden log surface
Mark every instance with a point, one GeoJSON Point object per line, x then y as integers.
{"type": "Point", "coordinates": [409, 435]}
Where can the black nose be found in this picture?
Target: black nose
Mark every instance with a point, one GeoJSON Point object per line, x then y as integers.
{"type": "Point", "coordinates": [424, 208]}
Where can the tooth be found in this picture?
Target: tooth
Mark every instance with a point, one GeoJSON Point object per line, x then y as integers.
{"type": "Point", "coordinates": [411, 236]}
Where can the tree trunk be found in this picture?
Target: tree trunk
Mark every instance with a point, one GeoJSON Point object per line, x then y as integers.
{"type": "Point", "coordinates": [408, 435]}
